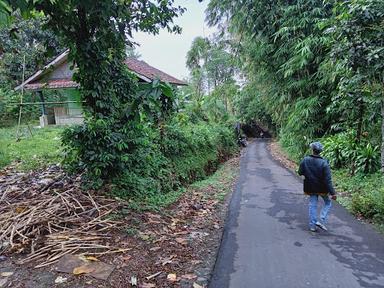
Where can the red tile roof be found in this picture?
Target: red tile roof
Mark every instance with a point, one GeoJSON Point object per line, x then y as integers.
{"type": "Point", "coordinates": [51, 84]}
{"type": "Point", "coordinates": [144, 69]}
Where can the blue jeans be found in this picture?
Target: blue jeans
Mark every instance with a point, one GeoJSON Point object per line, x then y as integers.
{"type": "Point", "coordinates": [313, 210]}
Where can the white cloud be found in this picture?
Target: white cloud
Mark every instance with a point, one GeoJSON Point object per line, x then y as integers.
{"type": "Point", "coordinates": [167, 51]}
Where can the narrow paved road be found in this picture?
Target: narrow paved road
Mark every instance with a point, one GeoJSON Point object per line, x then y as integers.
{"type": "Point", "coordinates": [266, 242]}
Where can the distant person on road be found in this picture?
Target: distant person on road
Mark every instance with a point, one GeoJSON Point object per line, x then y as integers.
{"type": "Point", "coordinates": [317, 182]}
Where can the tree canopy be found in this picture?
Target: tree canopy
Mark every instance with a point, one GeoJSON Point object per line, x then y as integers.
{"type": "Point", "coordinates": [313, 68]}
{"type": "Point", "coordinates": [97, 34]}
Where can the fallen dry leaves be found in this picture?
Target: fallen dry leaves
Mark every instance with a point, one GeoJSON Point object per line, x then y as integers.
{"type": "Point", "coordinates": [277, 154]}
{"type": "Point", "coordinates": [168, 248]}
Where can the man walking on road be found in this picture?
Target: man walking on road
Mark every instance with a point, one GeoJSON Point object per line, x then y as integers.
{"type": "Point", "coordinates": [317, 182]}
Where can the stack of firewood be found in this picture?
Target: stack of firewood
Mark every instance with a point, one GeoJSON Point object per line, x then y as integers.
{"type": "Point", "coordinates": [48, 215]}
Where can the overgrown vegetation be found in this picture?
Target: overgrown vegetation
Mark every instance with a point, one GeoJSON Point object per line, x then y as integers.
{"type": "Point", "coordinates": [133, 139]}
{"type": "Point", "coordinates": [212, 88]}
{"type": "Point", "coordinates": [314, 72]}
{"type": "Point", "coordinates": [152, 163]}
{"type": "Point", "coordinates": [364, 195]}
{"type": "Point", "coordinates": [25, 47]}
{"type": "Point", "coordinates": [313, 68]}
{"type": "Point", "coordinates": [310, 70]}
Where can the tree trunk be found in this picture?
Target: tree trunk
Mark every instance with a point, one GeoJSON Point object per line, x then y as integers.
{"type": "Point", "coordinates": [382, 135]}
{"type": "Point", "coordinates": [360, 121]}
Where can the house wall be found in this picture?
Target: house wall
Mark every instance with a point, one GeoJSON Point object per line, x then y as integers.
{"type": "Point", "coordinates": [70, 113]}
{"type": "Point", "coordinates": [62, 116]}
{"type": "Point", "coordinates": [60, 72]}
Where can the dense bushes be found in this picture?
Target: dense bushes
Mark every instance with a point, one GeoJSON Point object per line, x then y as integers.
{"type": "Point", "coordinates": [138, 162]}
{"type": "Point", "coordinates": [196, 149]}
{"type": "Point", "coordinates": [313, 68]}
{"type": "Point", "coordinates": [356, 166]}
{"type": "Point", "coordinates": [343, 151]}
{"type": "Point", "coordinates": [365, 193]}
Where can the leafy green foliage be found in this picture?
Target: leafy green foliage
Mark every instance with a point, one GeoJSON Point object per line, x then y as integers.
{"type": "Point", "coordinates": [5, 11]}
{"type": "Point", "coordinates": [157, 100]}
{"type": "Point", "coordinates": [212, 86]}
{"type": "Point", "coordinates": [282, 63]}
{"type": "Point", "coordinates": [25, 38]}
{"type": "Point", "coordinates": [368, 159]}
{"type": "Point", "coordinates": [365, 193]}
{"type": "Point", "coordinates": [343, 150]}
{"type": "Point", "coordinates": [358, 36]}
{"type": "Point", "coordinates": [186, 154]}
{"type": "Point", "coordinates": [339, 149]}
{"type": "Point", "coordinates": [115, 130]}
{"type": "Point", "coordinates": [149, 165]}
{"type": "Point", "coordinates": [313, 68]}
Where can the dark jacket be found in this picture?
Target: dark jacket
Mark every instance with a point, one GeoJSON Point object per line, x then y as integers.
{"type": "Point", "coordinates": [317, 175]}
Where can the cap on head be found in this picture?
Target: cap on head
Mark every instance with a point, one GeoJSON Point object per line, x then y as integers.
{"type": "Point", "coordinates": [316, 147]}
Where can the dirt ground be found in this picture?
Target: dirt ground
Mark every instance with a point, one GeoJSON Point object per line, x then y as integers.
{"type": "Point", "coordinates": [279, 155]}
{"type": "Point", "coordinates": [174, 247]}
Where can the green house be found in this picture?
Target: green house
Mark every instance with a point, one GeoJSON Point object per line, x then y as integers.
{"type": "Point", "coordinates": [57, 76]}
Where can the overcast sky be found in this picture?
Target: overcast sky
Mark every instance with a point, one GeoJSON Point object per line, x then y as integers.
{"type": "Point", "coordinates": [167, 51]}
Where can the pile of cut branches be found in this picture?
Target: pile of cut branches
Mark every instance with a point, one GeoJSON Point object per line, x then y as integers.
{"type": "Point", "coordinates": [47, 215]}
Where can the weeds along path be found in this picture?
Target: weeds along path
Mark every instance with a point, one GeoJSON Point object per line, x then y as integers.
{"type": "Point", "coordinates": [266, 241]}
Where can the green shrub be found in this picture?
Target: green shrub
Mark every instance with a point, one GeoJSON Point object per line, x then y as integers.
{"type": "Point", "coordinates": [369, 204]}
{"type": "Point", "coordinates": [138, 162]}
{"type": "Point", "coordinates": [108, 153]}
{"type": "Point", "coordinates": [338, 149]}
{"type": "Point", "coordinates": [195, 150]}
{"type": "Point", "coordinates": [366, 193]}
{"type": "Point", "coordinates": [343, 151]}
{"type": "Point", "coordinates": [363, 204]}
{"type": "Point", "coordinates": [368, 159]}
{"type": "Point", "coordinates": [293, 145]}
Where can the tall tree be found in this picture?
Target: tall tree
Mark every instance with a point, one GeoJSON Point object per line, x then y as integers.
{"type": "Point", "coordinates": [96, 32]}
{"type": "Point", "coordinates": [281, 47]}
{"type": "Point", "coordinates": [358, 48]}
{"type": "Point", "coordinates": [212, 70]}
{"type": "Point", "coordinates": [25, 37]}
{"type": "Point", "coordinates": [196, 59]}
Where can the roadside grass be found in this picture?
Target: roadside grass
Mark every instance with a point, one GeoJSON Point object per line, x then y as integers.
{"type": "Point", "coordinates": [155, 202]}
{"type": "Point", "coordinates": [363, 195]}
{"type": "Point", "coordinates": [30, 152]}
{"type": "Point", "coordinates": [219, 182]}
{"type": "Point", "coordinates": [44, 148]}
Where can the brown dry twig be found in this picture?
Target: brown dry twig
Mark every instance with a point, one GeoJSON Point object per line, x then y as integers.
{"type": "Point", "coordinates": [47, 215]}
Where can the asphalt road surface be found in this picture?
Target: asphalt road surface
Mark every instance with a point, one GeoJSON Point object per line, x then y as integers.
{"type": "Point", "coordinates": [267, 244]}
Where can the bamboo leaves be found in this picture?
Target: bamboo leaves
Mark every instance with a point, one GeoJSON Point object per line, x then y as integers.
{"type": "Point", "coordinates": [310, 64]}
